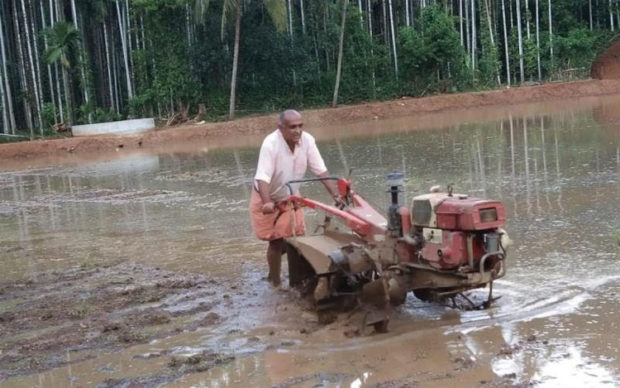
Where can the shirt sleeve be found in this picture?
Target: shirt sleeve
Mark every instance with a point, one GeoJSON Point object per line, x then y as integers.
{"type": "Point", "coordinates": [315, 161]}
{"type": "Point", "coordinates": [266, 163]}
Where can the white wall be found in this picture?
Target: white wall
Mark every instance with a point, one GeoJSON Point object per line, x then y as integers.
{"type": "Point", "coordinates": [124, 127]}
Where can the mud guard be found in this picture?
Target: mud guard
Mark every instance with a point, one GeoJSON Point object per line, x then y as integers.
{"type": "Point", "coordinates": [308, 256]}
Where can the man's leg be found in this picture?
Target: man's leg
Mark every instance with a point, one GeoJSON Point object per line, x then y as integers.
{"type": "Point", "coordinates": [274, 259]}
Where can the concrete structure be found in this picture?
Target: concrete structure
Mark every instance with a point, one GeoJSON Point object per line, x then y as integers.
{"type": "Point", "coordinates": [124, 127]}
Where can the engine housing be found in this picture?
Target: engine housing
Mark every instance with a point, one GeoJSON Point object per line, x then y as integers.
{"type": "Point", "coordinates": [456, 230]}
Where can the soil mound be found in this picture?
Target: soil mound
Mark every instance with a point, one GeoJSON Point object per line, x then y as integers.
{"type": "Point", "coordinates": [607, 65]}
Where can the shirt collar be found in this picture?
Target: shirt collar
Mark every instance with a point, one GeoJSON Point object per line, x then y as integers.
{"type": "Point", "coordinates": [298, 144]}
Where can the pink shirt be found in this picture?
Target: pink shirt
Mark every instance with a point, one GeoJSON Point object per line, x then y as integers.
{"type": "Point", "coordinates": [278, 165]}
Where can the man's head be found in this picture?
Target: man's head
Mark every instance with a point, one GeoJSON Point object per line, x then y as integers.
{"type": "Point", "coordinates": [290, 125]}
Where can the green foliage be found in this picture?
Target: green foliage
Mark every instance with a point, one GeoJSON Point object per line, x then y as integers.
{"type": "Point", "coordinates": [48, 115]}
{"type": "Point", "coordinates": [83, 111]}
{"type": "Point", "coordinates": [530, 57]}
{"type": "Point", "coordinates": [62, 38]}
{"type": "Point", "coordinates": [182, 54]}
{"type": "Point", "coordinates": [579, 47]}
{"type": "Point", "coordinates": [433, 58]}
{"type": "Point", "coordinates": [170, 82]}
{"type": "Point", "coordinates": [104, 115]}
{"type": "Point", "coordinates": [488, 62]}
{"type": "Point", "coordinates": [159, 5]}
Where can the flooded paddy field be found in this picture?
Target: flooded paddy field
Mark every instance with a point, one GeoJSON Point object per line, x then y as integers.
{"type": "Point", "coordinates": [143, 270]}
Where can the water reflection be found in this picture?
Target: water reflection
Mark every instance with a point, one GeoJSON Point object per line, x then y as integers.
{"type": "Point", "coordinates": [567, 365]}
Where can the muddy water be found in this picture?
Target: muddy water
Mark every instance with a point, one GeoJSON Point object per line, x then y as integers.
{"type": "Point", "coordinates": [556, 324]}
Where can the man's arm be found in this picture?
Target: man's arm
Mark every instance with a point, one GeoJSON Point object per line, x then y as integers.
{"type": "Point", "coordinates": [263, 191]}
{"type": "Point", "coordinates": [317, 166]}
{"type": "Point", "coordinates": [330, 186]}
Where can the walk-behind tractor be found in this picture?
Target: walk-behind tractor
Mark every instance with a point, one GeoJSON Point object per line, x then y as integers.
{"type": "Point", "coordinates": [439, 247]}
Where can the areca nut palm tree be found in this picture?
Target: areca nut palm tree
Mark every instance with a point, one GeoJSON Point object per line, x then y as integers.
{"type": "Point", "coordinates": [62, 39]}
{"type": "Point", "coordinates": [278, 13]}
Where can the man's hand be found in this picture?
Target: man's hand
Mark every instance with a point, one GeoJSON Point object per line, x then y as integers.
{"type": "Point", "coordinates": [268, 207]}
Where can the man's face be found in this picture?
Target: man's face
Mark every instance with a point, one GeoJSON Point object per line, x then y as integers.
{"type": "Point", "coordinates": [291, 128]}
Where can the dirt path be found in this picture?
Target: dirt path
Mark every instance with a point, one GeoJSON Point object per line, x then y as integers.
{"type": "Point", "coordinates": [246, 131]}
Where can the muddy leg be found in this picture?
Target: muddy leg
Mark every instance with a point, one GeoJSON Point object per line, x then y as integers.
{"type": "Point", "coordinates": [274, 259]}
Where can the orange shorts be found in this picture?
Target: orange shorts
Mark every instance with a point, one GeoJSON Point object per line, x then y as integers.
{"type": "Point", "coordinates": [275, 225]}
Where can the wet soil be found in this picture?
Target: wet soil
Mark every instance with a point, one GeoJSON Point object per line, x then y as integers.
{"type": "Point", "coordinates": [51, 315]}
{"type": "Point", "coordinates": [62, 318]}
{"type": "Point", "coordinates": [248, 130]}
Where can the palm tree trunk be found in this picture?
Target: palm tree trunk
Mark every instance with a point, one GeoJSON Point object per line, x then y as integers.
{"type": "Point", "coordinates": [473, 34]}
{"type": "Point", "coordinates": [290, 18]}
{"type": "Point", "coordinates": [81, 52]}
{"type": "Point", "coordinates": [550, 36]}
{"type": "Point", "coordinates": [611, 16]}
{"type": "Point", "coordinates": [233, 80]}
{"type": "Point", "coordinates": [115, 81]}
{"type": "Point", "coordinates": [32, 68]}
{"type": "Point", "coordinates": [188, 34]}
{"type": "Point", "coordinates": [58, 89]}
{"type": "Point", "coordinates": [386, 35]}
{"type": "Point", "coordinates": [22, 70]}
{"type": "Point", "coordinates": [372, 53]}
{"type": "Point", "coordinates": [109, 71]}
{"type": "Point", "coordinates": [467, 35]}
{"type": "Point", "coordinates": [49, 67]}
{"type": "Point", "coordinates": [393, 40]}
{"type": "Point", "coordinates": [130, 50]}
{"type": "Point", "coordinates": [507, 57]}
{"type": "Point", "coordinates": [520, 41]}
{"type": "Point", "coordinates": [407, 21]}
{"type": "Point", "coordinates": [538, 43]}
{"type": "Point", "coordinates": [345, 4]}
{"type": "Point", "coordinates": [3, 105]}
{"type": "Point", "coordinates": [461, 21]}
{"type": "Point", "coordinates": [527, 19]}
{"type": "Point", "coordinates": [36, 57]}
{"type": "Point", "coordinates": [5, 117]}
{"type": "Point", "coordinates": [5, 80]}
{"type": "Point", "coordinates": [68, 98]}
{"type": "Point", "coordinates": [142, 33]}
{"type": "Point", "coordinates": [488, 12]}
{"type": "Point", "coordinates": [303, 17]}
{"type": "Point", "coordinates": [123, 32]}
{"type": "Point", "coordinates": [359, 6]}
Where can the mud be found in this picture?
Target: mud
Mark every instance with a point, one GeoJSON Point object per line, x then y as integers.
{"type": "Point", "coordinates": [115, 306]}
{"type": "Point", "coordinates": [59, 318]}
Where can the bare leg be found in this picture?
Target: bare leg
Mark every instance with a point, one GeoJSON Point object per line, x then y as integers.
{"type": "Point", "coordinates": [274, 259]}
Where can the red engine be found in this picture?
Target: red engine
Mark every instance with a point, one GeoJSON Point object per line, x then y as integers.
{"type": "Point", "coordinates": [452, 231]}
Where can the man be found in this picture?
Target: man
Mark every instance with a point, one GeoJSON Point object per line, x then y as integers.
{"type": "Point", "coordinates": [285, 155]}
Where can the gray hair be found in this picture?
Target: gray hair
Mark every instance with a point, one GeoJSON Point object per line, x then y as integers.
{"type": "Point", "coordinates": [286, 113]}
